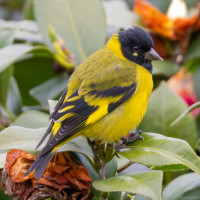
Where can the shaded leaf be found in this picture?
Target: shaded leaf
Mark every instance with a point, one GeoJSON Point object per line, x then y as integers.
{"type": "Point", "coordinates": [30, 73]}
{"type": "Point", "coordinates": [80, 145]}
{"type": "Point", "coordinates": [50, 89]}
{"type": "Point", "coordinates": [83, 37]}
{"type": "Point", "coordinates": [32, 119]}
{"type": "Point", "coordinates": [4, 196]}
{"type": "Point", "coordinates": [134, 169]}
{"type": "Point", "coordinates": [28, 10]}
{"type": "Point", "coordinates": [176, 188]}
{"type": "Point", "coordinates": [26, 25]}
{"type": "Point", "coordinates": [191, 194]}
{"type": "Point", "coordinates": [14, 101]}
{"type": "Point", "coordinates": [164, 68]}
{"type": "Point", "coordinates": [165, 106]}
{"type": "Point", "coordinates": [5, 79]}
{"type": "Point", "coordinates": [193, 50]}
{"type": "Point", "coordinates": [147, 184]}
{"type": "Point", "coordinates": [158, 150]}
{"type": "Point", "coordinates": [188, 110]}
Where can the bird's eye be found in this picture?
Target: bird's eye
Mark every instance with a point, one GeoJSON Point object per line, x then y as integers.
{"type": "Point", "coordinates": [135, 48]}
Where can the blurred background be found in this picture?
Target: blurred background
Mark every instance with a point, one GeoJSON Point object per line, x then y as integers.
{"type": "Point", "coordinates": [42, 42]}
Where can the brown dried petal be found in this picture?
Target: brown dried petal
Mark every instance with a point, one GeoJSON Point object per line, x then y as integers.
{"type": "Point", "coordinates": [63, 178]}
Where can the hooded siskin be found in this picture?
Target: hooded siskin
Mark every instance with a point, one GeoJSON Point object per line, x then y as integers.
{"type": "Point", "coordinates": [106, 96]}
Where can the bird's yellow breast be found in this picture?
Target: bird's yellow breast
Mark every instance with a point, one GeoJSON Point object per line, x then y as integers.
{"type": "Point", "coordinates": [127, 116]}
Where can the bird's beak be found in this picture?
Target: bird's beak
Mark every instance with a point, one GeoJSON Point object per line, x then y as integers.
{"type": "Point", "coordinates": [152, 55]}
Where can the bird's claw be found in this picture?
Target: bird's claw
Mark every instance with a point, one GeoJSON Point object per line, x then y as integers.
{"type": "Point", "coordinates": [133, 137]}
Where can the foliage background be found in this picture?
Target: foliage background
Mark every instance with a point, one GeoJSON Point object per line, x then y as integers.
{"type": "Point", "coordinates": [33, 70]}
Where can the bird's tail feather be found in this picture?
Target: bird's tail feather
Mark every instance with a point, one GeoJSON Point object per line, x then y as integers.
{"type": "Point", "coordinates": [40, 164]}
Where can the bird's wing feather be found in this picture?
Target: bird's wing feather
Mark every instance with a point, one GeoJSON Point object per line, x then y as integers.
{"type": "Point", "coordinates": [97, 96]}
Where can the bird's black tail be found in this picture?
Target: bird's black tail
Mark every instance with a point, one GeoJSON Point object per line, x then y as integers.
{"type": "Point", "coordinates": [40, 164]}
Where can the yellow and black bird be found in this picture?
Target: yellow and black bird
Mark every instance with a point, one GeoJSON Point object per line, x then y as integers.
{"type": "Point", "coordinates": [106, 96]}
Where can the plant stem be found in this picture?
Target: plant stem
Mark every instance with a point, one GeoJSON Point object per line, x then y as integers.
{"type": "Point", "coordinates": [102, 170]}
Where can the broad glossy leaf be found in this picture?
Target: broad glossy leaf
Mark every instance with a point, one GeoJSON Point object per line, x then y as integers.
{"type": "Point", "coordinates": [15, 137]}
{"type": "Point", "coordinates": [12, 53]}
{"type": "Point", "coordinates": [159, 150]}
{"type": "Point", "coordinates": [50, 89]}
{"type": "Point", "coordinates": [83, 37]}
{"type": "Point", "coordinates": [32, 119]}
{"type": "Point", "coordinates": [5, 79]}
{"type": "Point", "coordinates": [163, 108]}
{"type": "Point", "coordinates": [176, 188]}
{"type": "Point", "coordinates": [147, 184]}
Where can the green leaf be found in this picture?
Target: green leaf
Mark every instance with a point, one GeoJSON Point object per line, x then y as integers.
{"type": "Point", "coordinates": [191, 194]}
{"type": "Point", "coordinates": [83, 37]}
{"type": "Point", "coordinates": [115, 196]}
{"type": "Point", "coordinates": [12, 53]}
{"type": "Point", "coordinates": [193, 50]}
{"type": "Point", "coordinates": [188, 110]}
{"type": "Point", "coordinates": [80, 145]}
{"type": "Point", "coordinates": [15, 137]}
{"type": "Point", "coordinates": [147, 184]}
{"type": "Point", "coordinates": [30, 73]}
{"type": "Point", "coordinates": [9, 37]}
{"type": "Point", "coordinates": [5, 79]}
{"type": "Point", "coordinates": [4, 196]}
{"type": "Point", "coordinates": [14, 101]}
{"type": "Point", "coordinates": [176, 188]}
{"type": "Point", "coordinates": [158, 150]}
{"type": "Point", "coordinates": [197, 82]}
{"type": "Point", "coordinates": [164, 68]}
{"type": "Point", "coordinates": [28, 10]}
{"type": "Point", "coordinates": [163, 108]}
{"type": "Point", "coordinates": [50, 89]}
{"type": "Point", "coordinates": [32, 119]}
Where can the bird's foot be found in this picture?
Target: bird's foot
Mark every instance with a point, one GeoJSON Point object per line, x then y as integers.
{"type": "Point", "coordinates": [133, 137]}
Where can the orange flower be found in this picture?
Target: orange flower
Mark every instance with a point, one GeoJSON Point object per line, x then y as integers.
{"type": "Point", "coordinates": [161, 23]}
{"type": "Point", "coordinates": [63, 179]}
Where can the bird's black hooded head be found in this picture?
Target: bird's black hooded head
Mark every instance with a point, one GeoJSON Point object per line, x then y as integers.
{"type": "Point", "coordinates": [137, 46]}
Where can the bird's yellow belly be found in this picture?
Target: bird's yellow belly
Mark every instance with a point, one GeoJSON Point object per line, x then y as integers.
{"type": "Point", "coordinates": [127, 116]}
